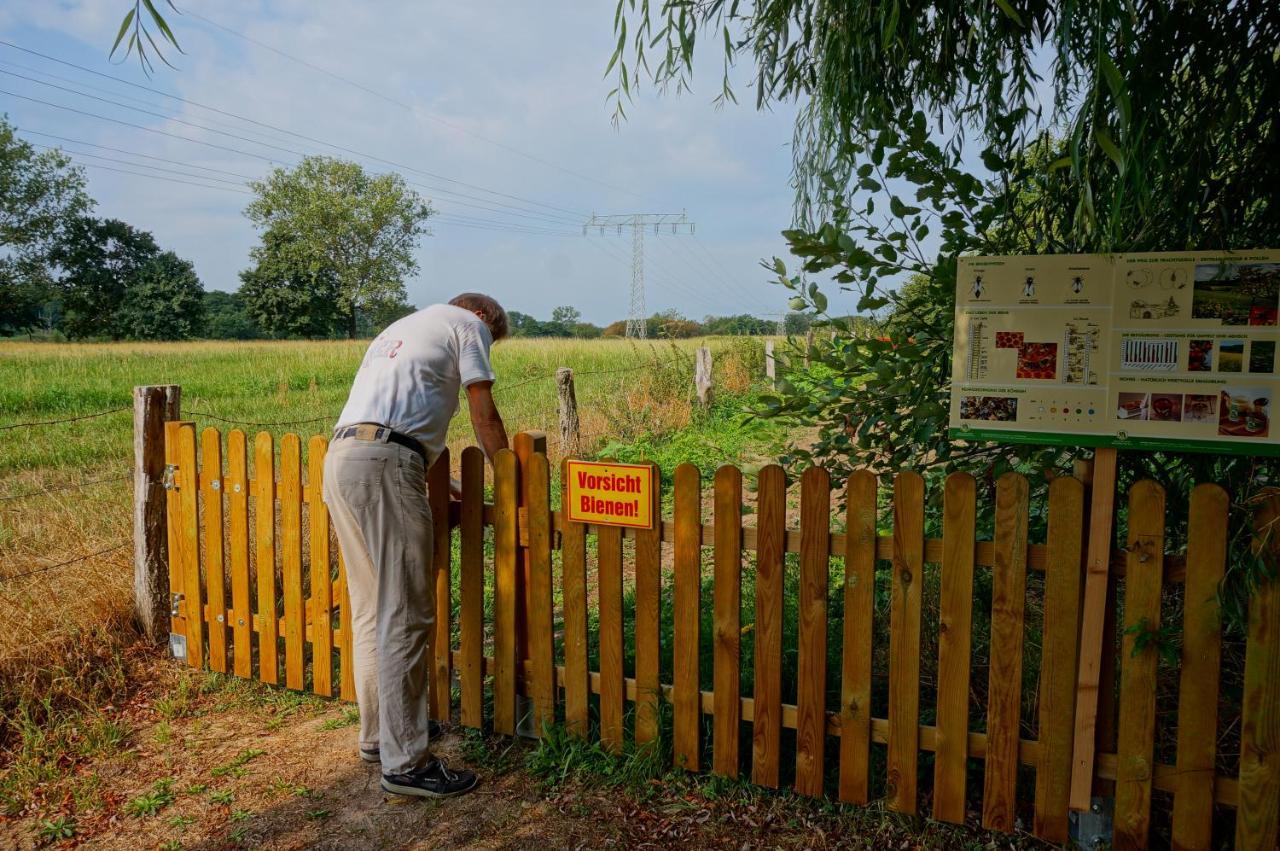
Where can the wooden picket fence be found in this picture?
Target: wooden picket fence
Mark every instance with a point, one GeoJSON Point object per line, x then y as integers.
{"type": "Point", "coordinates": [219, 536]}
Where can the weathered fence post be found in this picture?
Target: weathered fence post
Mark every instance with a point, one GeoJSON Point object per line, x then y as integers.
{"type": "Point", "coordinates": [525, 445]}
{"type": "Point", "coordinates": [569, 436]}
{"type": "Point", "coordinates": [702, 376]}
{"type": "Point", "coordinates": [770, 364]}
{"type": "Point", "coordinates": [152, 406]}
{"type": "Point", "coordinates": [808, 347]}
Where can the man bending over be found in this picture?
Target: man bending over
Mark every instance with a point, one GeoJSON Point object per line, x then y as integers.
{"type": "Point", "coordinates": [390, 432]}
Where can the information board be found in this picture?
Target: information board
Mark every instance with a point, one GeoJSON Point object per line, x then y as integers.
{"type": "Point", "coordinates": [1145, 351]}
{"type": "Point", "coordinates": [609, 494]}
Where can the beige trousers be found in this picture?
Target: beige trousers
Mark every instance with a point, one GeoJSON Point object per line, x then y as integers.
{"type": "Point", "coordinates": [377, 498]}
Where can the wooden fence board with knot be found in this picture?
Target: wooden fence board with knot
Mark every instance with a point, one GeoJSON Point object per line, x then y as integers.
{"type": "Point", "coordinates": [619, 623]}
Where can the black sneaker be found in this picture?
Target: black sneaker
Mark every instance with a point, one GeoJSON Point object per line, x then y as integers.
{"type": "Point", "coordinates": [435, 780]}
{"type": "Point", "coordinates": [434, 731]}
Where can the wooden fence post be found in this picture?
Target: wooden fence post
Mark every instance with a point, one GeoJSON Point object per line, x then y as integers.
{"type": "Point", "coordinates": [808, 346]}
{"type": "Point", "coordinates": [525, 445]}
{"type": "Point", "coordinates": [569, 433]}
{"type": "Point", "coordinates": [770, 364]}
{"type": "Point", "coordinates": [152, 406]}
{"type": "Point", "coordinates": [702, 376]}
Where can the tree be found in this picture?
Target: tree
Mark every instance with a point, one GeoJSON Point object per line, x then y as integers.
{"type": "Point", "coordinates": [226, 317]}
{"type": "Point", "coordinates": [165, 301]}
{"type": "Point", "coordinates": [564, 319]}
{"type": "Point", "coordinates": [99, 260]}
{"type": "Point", "coordinates": [285, 298]}
{"type": "Point", "coordinates": [40, 195]}
{"type": "Point", "coordinates": [328, 217]}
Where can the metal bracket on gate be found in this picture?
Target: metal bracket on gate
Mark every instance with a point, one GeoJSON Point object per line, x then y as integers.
{"type": "Point", "coordinates": [170, 478]}
{"type": "Point", "coordinates": [178, 646]}
{"type": "Point", "coordinates": [175, 604]}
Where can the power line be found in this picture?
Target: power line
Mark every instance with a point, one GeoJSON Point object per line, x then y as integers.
{"type": "Point", "coordinates": [127, 152]}
{"type": "Point", "coordinates": [139, 165]}
{"type": "Point", "coordinates": [302, 136]}
{"type": "Point", "coordinates": [167, 179]}
{"type": "Point", "coordinates": [408, 107]}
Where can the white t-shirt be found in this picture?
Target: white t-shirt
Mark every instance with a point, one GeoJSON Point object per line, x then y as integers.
{"type": "Point", "coordinates": [411, 375]}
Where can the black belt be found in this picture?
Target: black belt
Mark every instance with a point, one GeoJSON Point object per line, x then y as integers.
{"type": "Point", "coordinates": [379, 432]}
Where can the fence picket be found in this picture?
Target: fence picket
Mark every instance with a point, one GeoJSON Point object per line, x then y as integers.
{"type": "Point", "coordinates": [471, 567]}
{"type": "Point", "coordinates": [1144, 570]}
{"type": "Point", "coordinates": [686, 698]}
{"type": "Point", "coordinates": [573, 563]}
{"type": "Point", "coordinates": [1201, 665]}
{"type": "Point", "coordinates": [1004, 689]}
{"type": "Point", "coordinates": [441, 642]}
{"type": "Point", "coordinates": [1256, 822]}
{"type": "Point", "coordinates": [904, 641]}
{"type": "Point", "coordinates": [811, 674]}
{"type": "Point", "coordinates": [236, 486]}
{"type": "Point", "coordinates": [1062, 588]}
{"type": "Point", "coordinates": [321, 600]}
{"type": "Point", "coordinates": [346, 653]}
{"type": "Point", "coordinates": [648, 560]}
{"type": "Point", "coordinates": [955, 626]}
{"type": "Point", "coordinates": [859, 612]}
{"type": "Point", "coordinates": [211, 483]}
{"type": "Point", "coordinates": [540, 681]}
{"type": "Point", "coordinates": [727, 619]}
{"type": "Point", "coordinates": [612, 677]}
{"type": "Point", "coordinates": [771, 532]}
{"type": "Point", "coordinates": [291, 558]}
{"type": "Point", "coordinates": [189, 535]}
{"type": "Point", "coordinates": [505, 482]}
{"type": "Point", "coordinates": [264, 516]}
{"type": "Point", "coordinates": [173, 514]}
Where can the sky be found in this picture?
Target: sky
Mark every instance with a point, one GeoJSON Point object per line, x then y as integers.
{"type": "Point", "coordinates": [498, 112]}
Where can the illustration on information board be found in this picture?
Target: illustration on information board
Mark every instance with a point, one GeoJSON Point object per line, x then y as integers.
{"type": "Point", "coordinates": [1138, 350]}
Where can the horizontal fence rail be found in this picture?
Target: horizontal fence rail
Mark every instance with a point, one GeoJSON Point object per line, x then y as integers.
{"type": "Point", "coordinates": [637, 636]}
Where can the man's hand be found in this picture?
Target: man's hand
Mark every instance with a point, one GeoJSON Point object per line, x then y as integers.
{"type": "Point", "coordinates": [455, 489]}
{"type": "Point", "coordinates": [485, 419]}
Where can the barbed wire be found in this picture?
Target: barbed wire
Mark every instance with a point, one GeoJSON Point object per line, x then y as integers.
{"type": "Point", "coordinates": [46, 568]}
{"type": "Point", "coordinates": [115, 410]}
{"type": "Point", "coordinates": [210, 416]}
{"type": "Point", "coordinates": [75, 486]}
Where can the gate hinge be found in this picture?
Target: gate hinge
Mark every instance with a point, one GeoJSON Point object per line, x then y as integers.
{"type": "Point", "coordinates": [175, 604]}
{"type": "Point", "coordinates": [170, 479]}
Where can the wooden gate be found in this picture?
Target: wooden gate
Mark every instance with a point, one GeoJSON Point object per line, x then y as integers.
{"type": "Point", "coordinates": [602, 628]}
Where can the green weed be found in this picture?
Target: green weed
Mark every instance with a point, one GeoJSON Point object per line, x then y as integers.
{"type": "Point", "coordinates": [57, 828]}
{"type": "Point", "coordinates": [236, 767]}
{"type": "Point", "coordinates": [152, 802]}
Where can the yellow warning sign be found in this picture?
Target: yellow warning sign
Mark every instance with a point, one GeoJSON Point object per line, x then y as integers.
{"type": "Point", "coordinates": [609, 494]}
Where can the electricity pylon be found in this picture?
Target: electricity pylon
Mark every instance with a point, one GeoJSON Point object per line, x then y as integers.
{"type": "Point", "coordinates": [638, 222]}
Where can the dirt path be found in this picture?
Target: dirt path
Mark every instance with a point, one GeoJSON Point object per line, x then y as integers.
{"type": "Point", "coordinates": [208, 762]}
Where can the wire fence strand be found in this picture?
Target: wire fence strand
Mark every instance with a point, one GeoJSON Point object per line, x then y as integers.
{"type": "Point", "coordinates": [74, 486]}
{"type": "Point", "coordinates": [48, 567]}
{"type": "Point", "coordinates": [34, 423]}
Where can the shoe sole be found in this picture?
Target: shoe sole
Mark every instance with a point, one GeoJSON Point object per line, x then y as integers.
{"type": "Point", "coordinates": [418, 792]}
{"type": "Point", "coordinates": [371, 757]}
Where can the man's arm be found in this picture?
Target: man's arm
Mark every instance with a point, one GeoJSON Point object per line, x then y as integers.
{"type": "Point", "coordinates": [485, 419]}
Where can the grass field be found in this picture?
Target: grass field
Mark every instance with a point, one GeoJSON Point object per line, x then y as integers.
{"type": "Point", "coordinates": [66, 490]}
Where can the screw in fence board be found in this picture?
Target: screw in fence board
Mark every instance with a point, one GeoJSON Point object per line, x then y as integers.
{"type": "Point", "coordinates": [702, 376]}
{"type": "Point", "coordinates": [152, 407]}
{"type": "Point", "coordinates": [770, 364]}
{"type": "Point", "coordinates": [569, 429]}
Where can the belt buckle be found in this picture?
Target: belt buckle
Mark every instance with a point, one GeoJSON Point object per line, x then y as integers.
{"type": "Point", "coordinates": [369, 432]}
